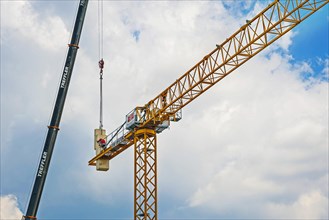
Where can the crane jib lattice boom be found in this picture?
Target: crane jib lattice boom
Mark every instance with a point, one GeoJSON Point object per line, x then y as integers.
{"type": "Point", "coordinates": [273, 22]}
{"type": "Point", "coordinates": [144, 122]}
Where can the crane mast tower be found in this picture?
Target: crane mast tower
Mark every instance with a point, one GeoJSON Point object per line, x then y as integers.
{"type": "Point", "coordinates": [143, 123]}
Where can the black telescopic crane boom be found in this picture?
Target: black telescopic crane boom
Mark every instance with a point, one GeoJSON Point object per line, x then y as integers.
{"type": "Point", "coordinates": [53, 128]}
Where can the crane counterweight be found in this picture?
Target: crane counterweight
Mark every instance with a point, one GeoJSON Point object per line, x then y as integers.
{"type": "Point", "coordinates": [102, 164]}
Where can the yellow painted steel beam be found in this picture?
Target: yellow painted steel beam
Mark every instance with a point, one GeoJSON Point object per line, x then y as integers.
{"type": "Point", "coordinates": [145, 203]}
{"type": "Point", "coordinates": [269, 25]}
{"type": "Point", "coordinates": [266, 27]}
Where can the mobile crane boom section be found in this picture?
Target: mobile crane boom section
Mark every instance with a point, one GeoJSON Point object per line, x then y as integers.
{"type": "Point", "coordinates": [266, 27]}
{"type": "Point", "coordinates": [53, 128]}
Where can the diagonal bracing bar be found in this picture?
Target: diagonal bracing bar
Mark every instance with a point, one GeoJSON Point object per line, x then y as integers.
{"type": "Point", "coordinates": [255, 35]}
{"type": "Point", "coordinates": [145, 175]}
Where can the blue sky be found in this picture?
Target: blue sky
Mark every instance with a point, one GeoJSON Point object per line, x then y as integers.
{"type": "Point", "coordinates": [315, 42]}
{"type": "Point", "coordinates": [253, 147]}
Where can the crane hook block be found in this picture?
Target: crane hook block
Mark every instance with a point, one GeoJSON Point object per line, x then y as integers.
{"type": "Point", "coordinates": [101, 65]}
{"type": "Point", "coordinates": [102, 164]}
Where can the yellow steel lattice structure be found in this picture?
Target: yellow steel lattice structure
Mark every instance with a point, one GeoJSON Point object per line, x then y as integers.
{"type": "Point", "coordinates": [255, 35]}
{"type": "Point", "coordinates": [145, 174]}
{"type": "Point", "coordinates": [259, 32]}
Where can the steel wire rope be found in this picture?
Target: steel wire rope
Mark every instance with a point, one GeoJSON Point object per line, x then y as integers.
{"type": "Point", "coordinates": [101, 61]}
{"type": "Point", "coordinates": [100, 100]}
{"type": "Point", "coordinates": [100, 29]}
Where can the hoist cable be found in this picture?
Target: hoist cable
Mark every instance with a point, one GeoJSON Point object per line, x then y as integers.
{"type": "Point", "coordinates": [100, 29]}
{"type": "Point", "coordinates": [101, 61]}
{"type": "Point", "coordinates": [101, 96]}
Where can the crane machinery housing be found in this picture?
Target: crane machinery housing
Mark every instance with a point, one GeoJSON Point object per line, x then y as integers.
{"type": "Point", "coordinates": [143, 123]}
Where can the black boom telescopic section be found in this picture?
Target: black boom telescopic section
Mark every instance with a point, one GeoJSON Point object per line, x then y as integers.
{"type": "Point", "coordinates": [53, 128]}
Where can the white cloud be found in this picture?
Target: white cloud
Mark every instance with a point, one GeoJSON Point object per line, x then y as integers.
{"type": "Point", "coordinates": [312, 205]}
{"type": "Point", "coordinates": [9, 208]}
{"type": "Point", "coordinates": [285, 41]}
{"type": "Point", "coordinates": [256, 141]}
{"type": "Point", "coordinates": [23, 21]}
{"type": "Point", "coordinates": [267, 139]}
{"type": "Point", "coordinates": [325, 63]}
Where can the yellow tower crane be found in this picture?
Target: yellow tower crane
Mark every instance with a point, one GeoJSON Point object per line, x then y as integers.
{"type": "Point", "coordinates": [143, 123]}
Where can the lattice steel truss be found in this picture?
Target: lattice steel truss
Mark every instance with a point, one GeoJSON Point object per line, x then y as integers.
{"type": "Point", "coordinates": [255, 35]}
{"type": "Point", "coordinates": [273, 22]}
{"type": "Point", "coordinates": [145, 174]}
{"type": "Point", "coordinates": [269, 25]}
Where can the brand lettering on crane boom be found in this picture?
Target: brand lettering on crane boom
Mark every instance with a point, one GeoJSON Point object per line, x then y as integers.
{"type": "Point", "coordinates": [42, 164]}
{"type": "Point", "coordinates": [66, 69]}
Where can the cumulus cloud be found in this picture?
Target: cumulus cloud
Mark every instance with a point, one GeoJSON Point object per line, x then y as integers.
{"type": "Point", "coordinates": [312, 205]}
{"type": "Point", "coordinates": [9, 208]}
{"type": "Point", "coordinates": [324, 63]}
{"type": "Point", "coordinates": [256, 141]}
{"type": "Point", "coordinates": [23, 21]}
{"type": "Point", "coordinates": [267, 143]}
